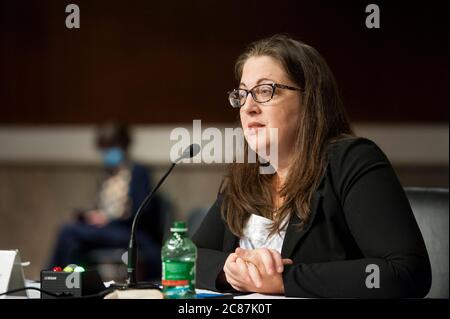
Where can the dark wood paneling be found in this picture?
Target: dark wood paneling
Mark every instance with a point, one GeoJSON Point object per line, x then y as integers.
{"type": "Point", "coordinates": [171, 61]}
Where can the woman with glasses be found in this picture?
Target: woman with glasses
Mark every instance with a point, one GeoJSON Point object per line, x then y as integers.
{"type": "Point", "coordinates": [333, 220]}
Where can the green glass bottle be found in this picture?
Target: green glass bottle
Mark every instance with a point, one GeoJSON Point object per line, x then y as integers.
{"type": "Point", "coordinates": [178, 256]}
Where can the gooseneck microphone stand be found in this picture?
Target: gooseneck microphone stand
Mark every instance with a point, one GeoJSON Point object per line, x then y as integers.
{"type": "Point", "coordinates": [132, 282]}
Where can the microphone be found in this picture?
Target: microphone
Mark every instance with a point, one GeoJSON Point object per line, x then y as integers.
{"type": "Point", "coordinates": [191, 151]}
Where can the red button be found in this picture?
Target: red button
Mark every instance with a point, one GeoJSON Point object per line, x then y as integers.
{"type": "Point", "coordinates": [57, 268]}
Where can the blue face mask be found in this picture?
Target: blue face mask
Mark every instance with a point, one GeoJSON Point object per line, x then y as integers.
{"type": "Point", "coordinates": [112, 157]}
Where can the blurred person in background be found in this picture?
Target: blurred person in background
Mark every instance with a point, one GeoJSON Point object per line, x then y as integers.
{"type": "Point", "coordinates": [108, 225]}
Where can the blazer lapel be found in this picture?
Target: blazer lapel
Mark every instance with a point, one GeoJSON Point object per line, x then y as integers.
{"type": "Point", "coordinates": [293, 235]}
{"type": "Point", "coordinates": [229, 241]}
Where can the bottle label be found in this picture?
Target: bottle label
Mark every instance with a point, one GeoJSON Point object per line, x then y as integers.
{"type": "Point", "coordinates": [178, 273]}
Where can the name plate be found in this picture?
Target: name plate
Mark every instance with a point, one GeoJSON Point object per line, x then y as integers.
{"type": "Point", "coordinates": [11, 273]}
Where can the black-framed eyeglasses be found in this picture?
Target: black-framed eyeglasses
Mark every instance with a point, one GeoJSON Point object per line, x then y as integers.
{"type": "Point", "coordinates": [261, 93]}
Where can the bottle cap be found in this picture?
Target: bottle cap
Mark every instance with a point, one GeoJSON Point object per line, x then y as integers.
{"type": "Point", "coordinates": [179, 226]}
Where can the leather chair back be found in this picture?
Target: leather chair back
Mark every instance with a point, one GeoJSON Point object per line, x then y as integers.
{"type": "Point", "coordinates": [430, 207]}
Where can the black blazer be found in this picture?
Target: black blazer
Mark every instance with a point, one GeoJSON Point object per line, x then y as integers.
{"type": "Point", "coordinates": [360, 216]}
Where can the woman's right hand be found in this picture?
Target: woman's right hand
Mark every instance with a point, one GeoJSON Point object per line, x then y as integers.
{"type": "Point", "coordinates": [266, 261]}
{"type": "Point", "coordinates": [254, 269]}
{"type": "Point", "coordinates": [236, 273]}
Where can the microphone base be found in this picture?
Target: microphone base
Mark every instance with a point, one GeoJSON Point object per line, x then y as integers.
{"type": "Point", "coordinates": [137, 285]}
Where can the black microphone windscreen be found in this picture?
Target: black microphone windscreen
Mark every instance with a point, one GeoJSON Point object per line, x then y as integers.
{"type": "Point", "coordinates": [194, 149]}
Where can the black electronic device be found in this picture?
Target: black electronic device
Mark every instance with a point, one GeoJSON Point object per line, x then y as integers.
{"type": "Point", "coordinates": [71, 284]}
